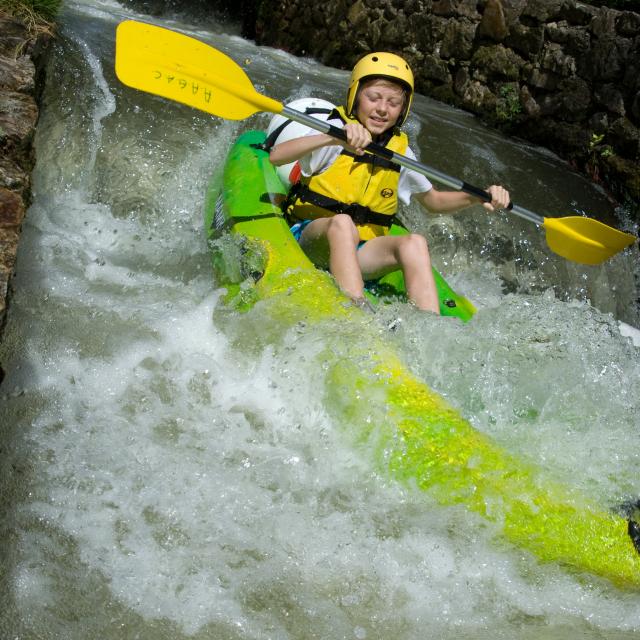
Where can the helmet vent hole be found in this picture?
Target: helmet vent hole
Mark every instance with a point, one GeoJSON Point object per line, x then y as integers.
{"type": "Point", "coordinates": [375, 58]}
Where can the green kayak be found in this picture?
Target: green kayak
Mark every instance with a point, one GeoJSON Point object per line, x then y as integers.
{"type": "Point", "coordinates": [409, 430]}
{"type": "Point", "coordinates": [251, 206]}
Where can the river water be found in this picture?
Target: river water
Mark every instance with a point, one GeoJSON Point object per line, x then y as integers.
{"type": "Point", "coordinates": [163, 477]}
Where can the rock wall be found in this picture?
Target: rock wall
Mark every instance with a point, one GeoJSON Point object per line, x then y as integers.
{"type": "Point", "coordinates": [559, 73]}
{"type": "Point", "coordinates": [20, 51]}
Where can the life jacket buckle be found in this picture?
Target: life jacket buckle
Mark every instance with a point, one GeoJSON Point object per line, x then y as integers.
{"type": "Point", "coordinates": [358, 213]}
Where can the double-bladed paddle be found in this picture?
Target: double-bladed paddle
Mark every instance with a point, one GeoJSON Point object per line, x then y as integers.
{"type": "Point", "coordinates": [175, 66]}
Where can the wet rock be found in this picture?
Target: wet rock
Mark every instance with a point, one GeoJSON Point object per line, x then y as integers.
{"type": "Point", "coordinates": [18, 116]}
{"type": "Point", "coordinates": [474, 95]}
{"type": "Point", "coordinates": [628, 24]}
{"type": "Point", "coordinates": [11, 208]}
{"type": "Point", "coordinates": [577, 13]}
{"type": "Point", "coordinates": [604, 23]}
{"type": "Point", "coordinates": [543, 10]}
{"type": "Point", "coordinates": [11, 176]}
{"type": "Point", "coordinates": [433, 69]}
{"type": "Point", "coordinates": [537, 79]}
{"type": "Point", "coordinates": [459, 8]}
{"type": "Point", "coordinates": [574, 40]}
{"type": "Point", "coordinates": [572, 101]}
{"type": "Point", "coordinates": [497, 61]}
{"type": "Point", "coordinates": [458, 40]}
{"type": "Point", "coordinates": [529, 104]}
{"type": "Point", "coordinates": [8, 249]}
{"type": "Point", "coordinates": [527, 41]}
{"type": "Point", "coordinates": [21, 50]}
{"type": "Point", "coordinates": [17, 74]}
{"type": "Point", "coordinates": [599, 123]}
{"type": "Point", "coordinates": [619, 170]}
{"type": "Point", "coordinates": [556, 60]}
{"type": "Point", "coordinates": [607, 60]}
{"type": "Point", "coordinates": [493, 24]}
{"type": "Point", "coordinates": [635, 107]}
{"type": "Point", "coordinates": [611, 98]}
{"type": "Point", "coordinates": [625, 136]}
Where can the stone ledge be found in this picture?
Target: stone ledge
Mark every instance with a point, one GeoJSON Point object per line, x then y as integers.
{"type": "Point", "coordinates": [21, 55]}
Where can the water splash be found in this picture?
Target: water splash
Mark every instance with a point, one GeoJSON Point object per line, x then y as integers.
{"type": "Point", "coordinates": [163, 477]}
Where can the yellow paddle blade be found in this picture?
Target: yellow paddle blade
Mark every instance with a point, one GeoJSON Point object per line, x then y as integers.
{"type": "Point", "coordinates": [180, 68]}
{"type": "Point", "coordinates": [585, 240]}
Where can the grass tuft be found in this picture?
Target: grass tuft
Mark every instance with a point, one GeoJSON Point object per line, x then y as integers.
{"type": "Point", "coordinates": [38, 16]}
{"type": "Point", "coordinates": [33, 11]}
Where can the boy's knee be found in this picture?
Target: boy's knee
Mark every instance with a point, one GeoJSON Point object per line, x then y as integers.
{"type": "Point", "coordinates": [415, 244]}
{"type": "Point", "coordinates": [342, 224]}
{"type": "Point", "coordinates": [342, 221]}
{"type": "Point", "coordinates": [413, 250]}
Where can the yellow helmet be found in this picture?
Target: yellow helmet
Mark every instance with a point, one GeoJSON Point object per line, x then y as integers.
{"type": "Point", "coordinates": [381, 64]}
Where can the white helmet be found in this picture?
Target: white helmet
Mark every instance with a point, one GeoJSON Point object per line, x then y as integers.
{"type": "Point", "coordinates": [281, 129]}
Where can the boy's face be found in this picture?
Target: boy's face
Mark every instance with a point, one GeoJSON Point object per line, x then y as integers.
{"type": "Point", "coordinates": [380, 103]}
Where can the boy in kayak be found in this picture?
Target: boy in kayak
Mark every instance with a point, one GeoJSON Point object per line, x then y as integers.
{"type": "Point", "coordinates": [346, 200]}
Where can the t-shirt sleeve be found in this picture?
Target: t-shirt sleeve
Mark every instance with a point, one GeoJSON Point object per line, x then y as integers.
{"type": "Point", "coordinates": [321, 159]}
{"type": "Point", "coordinates": [411, 181]}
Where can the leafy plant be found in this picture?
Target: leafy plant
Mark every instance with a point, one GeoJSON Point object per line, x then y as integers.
{"type": "Point", "coordinates": [597, 156]}
{"type": "Point", "coordinates": [508, 104]}
{"type": "Point", "coordinates": [596, 148]}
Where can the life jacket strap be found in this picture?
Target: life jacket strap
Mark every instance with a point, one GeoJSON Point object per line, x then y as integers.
{"type": "Point", "coordinates": [358, 213]}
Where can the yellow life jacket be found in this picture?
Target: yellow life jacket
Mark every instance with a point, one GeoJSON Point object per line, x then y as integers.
{"type": "Point", "coordinates": [365, 187]}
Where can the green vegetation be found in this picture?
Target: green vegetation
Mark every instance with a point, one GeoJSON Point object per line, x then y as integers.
{"type": "Point", "coordinates": [600, 155]}
{"type": "Point", "coordinates": [32, 11]}
{"type": "Point", "coordinates": [508, 104]}
{"type": "Point", "coordinates": [597, 148]}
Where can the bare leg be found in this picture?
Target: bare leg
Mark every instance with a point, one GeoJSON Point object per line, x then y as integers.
{"type": "Point", "coordinates": [411, 254]}
{"type": "Point", "coordinates": [333, 242]}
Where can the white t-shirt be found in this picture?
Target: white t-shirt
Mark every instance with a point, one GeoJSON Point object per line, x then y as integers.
{"type": "Point", "coordinates": [321, 159]}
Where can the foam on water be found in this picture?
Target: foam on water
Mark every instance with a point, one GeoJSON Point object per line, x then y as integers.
{"type": "Point", "coordinates": [163, 476]}
{"type": "Point", "coordinates": [190, 498]}
{"type": "Point", "coordinates": [558, 382]}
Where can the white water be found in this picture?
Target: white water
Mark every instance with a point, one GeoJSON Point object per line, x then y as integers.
{"type": "Point", "coordinates": [162, 478]}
